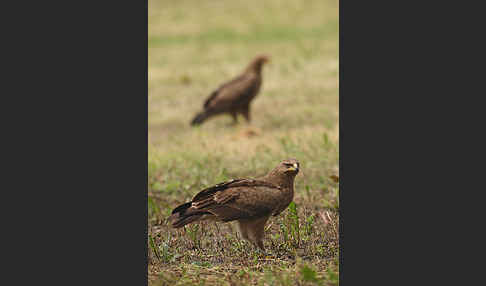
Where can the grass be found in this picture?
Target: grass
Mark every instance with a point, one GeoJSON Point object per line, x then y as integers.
{"type": "Point", "coordinates": [193, 47]}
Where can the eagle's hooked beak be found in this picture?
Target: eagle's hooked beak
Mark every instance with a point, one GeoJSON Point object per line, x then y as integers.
{"type": "Point", "coordinates": [295, 167]}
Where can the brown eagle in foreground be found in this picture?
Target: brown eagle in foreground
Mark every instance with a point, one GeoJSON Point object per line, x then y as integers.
{"type": "Point", "coordinates": [251, 202]}
{"type": "Point", "coordinates": [236, 95]}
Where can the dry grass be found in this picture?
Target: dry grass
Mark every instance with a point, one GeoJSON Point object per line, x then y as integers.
{"type": "Point", "coordinates": [193, 47]}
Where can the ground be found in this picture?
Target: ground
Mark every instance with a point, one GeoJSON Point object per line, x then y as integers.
{"type": "Point", "coordinates": [193, 47]}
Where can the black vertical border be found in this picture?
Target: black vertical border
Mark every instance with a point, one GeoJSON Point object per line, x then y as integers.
{"type": "Point", "coordinates": [82, 143]}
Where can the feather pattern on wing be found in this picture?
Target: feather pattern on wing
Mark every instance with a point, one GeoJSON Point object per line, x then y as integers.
{"type": "Point", "coordinates": [230, 200]}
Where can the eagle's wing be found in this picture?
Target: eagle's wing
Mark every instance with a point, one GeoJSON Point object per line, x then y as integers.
{"type": "Point", "coordinates": [217, 91]}
{"type": "Point", "coordinates": [237, 199]}
{"type": "Point", "coordinates": [233, 93]}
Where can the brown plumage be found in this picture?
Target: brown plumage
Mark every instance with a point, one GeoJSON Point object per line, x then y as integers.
{"type": "Point", "coordinates": [236, 95]}
{"type": "Point", "coordinates": [251, 202]}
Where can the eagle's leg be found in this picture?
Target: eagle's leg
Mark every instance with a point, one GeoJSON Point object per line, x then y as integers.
{"type": "Point", "coordinates": [243, 230]}
{"type": "Point", "coordinates": [259, 233]}
{"type": "Point", "coordinates": [256, 231]}
{"type": "Point", "coordinates": [235, 118]}
{"type": "Point", "coordinates": [246, 113]}
{"type": "Point", "coordinates": [246, 229]}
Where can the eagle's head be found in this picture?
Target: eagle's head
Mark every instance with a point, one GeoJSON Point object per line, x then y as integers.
{"type": "Point", "coordinates": [263, 59]}
{"type": "Point", "coordinates": [284, 173]}
{"type": "Point", "coordinates": [289, 166]}
{"type": "Point", "coordinates": [286, 168]}
{"type": "Point", "coordinates": [257, 63]}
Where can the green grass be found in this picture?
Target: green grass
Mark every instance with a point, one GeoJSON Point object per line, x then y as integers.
{"type": "Point", "coordinates": [194, 46]}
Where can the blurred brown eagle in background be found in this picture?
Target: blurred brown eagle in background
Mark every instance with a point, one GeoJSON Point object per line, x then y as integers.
{"type": "Point", "coordinates": [236, 95]}
{"type": "Point", "coordinates": [251, 202]}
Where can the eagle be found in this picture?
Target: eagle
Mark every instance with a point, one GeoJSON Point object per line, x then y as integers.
{"type": "Point", "coordinates": [234, 96]}
{"type": "Point", "coordinates": [250, 202]}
